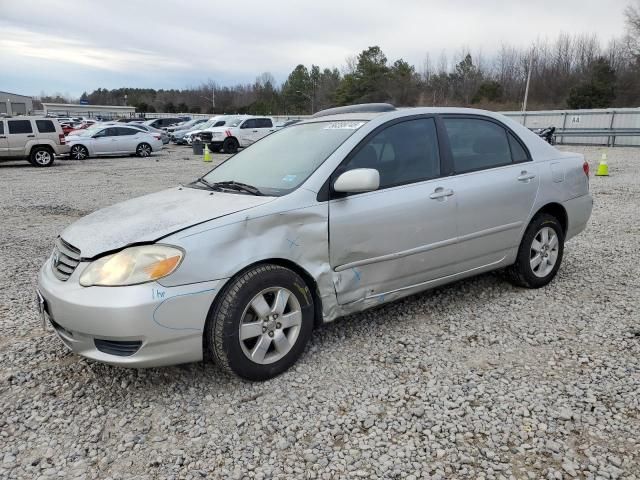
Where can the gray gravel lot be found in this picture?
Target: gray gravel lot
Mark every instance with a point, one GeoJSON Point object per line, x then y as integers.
{"type": "Point", "coordinates": [474, 380]}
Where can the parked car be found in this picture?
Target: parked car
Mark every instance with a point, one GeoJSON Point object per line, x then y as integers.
{"type": "Point", "coordinates": [217, 121]}
{"type": "Point", "coordinates": [347, 210]}
{"type": "Point", "coordinates": [238, 133]}
{"type": "Point", "coordinates": [186, 125]}
{"type": "Point", "coordinates": [162, 122]}
{"type": "Point", "coordinates": [36, 139]}
{"type": "Point", "coordinates": [112, 140]}
{"type": "Point", "coordinates": [164, 136]}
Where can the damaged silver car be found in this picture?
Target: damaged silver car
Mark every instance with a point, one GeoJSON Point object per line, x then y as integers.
{"type": "Point", "coordinates": [346, 210]}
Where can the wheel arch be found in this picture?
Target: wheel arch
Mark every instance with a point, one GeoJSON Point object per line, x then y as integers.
{"type": "Point", "coordinates": [41, 145]}
{"type": "Point", "coordinates": [558, 211]}
{"type": "Point", "coordinates": [282, 262]}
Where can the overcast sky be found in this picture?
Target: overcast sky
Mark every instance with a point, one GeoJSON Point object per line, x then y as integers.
{"type": "Point", "coordinates": [69, 47]}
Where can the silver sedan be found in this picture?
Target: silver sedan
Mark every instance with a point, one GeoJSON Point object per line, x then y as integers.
{"type": "Point", "coordinates": [344, 211]}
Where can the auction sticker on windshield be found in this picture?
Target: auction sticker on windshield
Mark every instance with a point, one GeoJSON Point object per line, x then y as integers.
{"type": "Point", "coordinates": [344, 125]}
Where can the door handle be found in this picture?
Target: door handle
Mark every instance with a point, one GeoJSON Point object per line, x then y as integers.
{"type": "Point", "coordinates": [441, 193]}
{"type": "Point", "coordinates": [255, 131]}
{"type": "Point", "coordinates": [2, 136]}
{"type": "Point", "coordinates": [525, 176]}
{"type": "Point", "coordinates": [30, 136]}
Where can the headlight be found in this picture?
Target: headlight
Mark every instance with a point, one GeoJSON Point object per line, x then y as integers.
{"type": "Point", "coordinates": [132, 265]}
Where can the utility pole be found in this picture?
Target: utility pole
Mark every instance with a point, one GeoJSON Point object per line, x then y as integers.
{"type": "Point", "coordinates": [526, 89]}
{"type": "Point", "coordinates": [213, 100]}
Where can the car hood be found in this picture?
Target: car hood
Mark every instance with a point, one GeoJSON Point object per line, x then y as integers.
{"type": "Point", "coordinates": [151, 217]}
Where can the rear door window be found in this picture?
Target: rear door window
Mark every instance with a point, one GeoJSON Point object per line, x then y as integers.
{"type": "Point", "coordinates": [251, 123]}
{"type": "Point", "coordinates": [122, 131]}
{"type": "Point", "coordinates": [1, 127]}
{"type": "Point", "coordinates": [45, 126]}
{"type": "Point", "coordinates": [477, 144]}
{"type": "Point", "coordinates": [264, 123]}
{"type": "Point", "coordinates": [20, 126]}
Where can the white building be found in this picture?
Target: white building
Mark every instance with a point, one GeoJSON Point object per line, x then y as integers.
{"type": "Point", "coordinates": [14, 104]}
{"type": "Point", "coordinates": [78, 110]}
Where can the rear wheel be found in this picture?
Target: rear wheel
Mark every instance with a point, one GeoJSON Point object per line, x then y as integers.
{"type": "Point", "coordinates": [144, 150]}
{"type": "Point", "coordinates": [261, 323]}
{"type": "Point", "coordinates": [540, 253]}
{"type": "Point", "coordinates": [79, 152]}
{"type": "Point", "coordinates": [41, 157]}
{"type": "Point", "coordinates": [230, 145]}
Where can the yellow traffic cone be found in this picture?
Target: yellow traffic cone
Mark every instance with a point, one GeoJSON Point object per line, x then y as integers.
{"type": "Point", "coordinates": [207, 154]}
{"type": "Point", "coordinates": [603, 167]}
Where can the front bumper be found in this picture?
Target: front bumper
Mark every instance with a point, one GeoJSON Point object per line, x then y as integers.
{"type": "Point", "coordinates": [166, 322]}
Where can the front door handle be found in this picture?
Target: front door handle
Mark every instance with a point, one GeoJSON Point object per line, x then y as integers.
{"type": "Point", "coordinates": [441, 193]}
{"type": "Point", "coordinates": [525, 176]}
{"type": "Point", "coordinates": [255, 131]}
{"type": "Point", "coordinates": [2, 136]}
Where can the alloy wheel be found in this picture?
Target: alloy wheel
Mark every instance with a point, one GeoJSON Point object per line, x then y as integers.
{"type": "Point", "coordinates": [270, 325]}
{"type": "Point", "coordinates": [43, 157]}
{"type": "Point", "coordinates": [544, 252]}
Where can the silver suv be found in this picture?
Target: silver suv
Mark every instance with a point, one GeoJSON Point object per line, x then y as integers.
{"type": "Point", "coordinates": [36, 139]}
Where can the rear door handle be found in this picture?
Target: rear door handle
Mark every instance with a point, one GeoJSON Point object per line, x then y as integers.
{"type": "Point", "coordinates": [525, 176]}
{"type": "Point", "coordinates": [30, 136]}
{"type": "Point", "coordinates": [441, 193]}
{"type": "Point", "coordinates": [2, 136]}
{"type": "Point", "coordinates": [255, 131]}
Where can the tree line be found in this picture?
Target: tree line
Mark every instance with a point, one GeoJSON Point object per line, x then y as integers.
{"type": "Point", "coordinates": [569, 72]}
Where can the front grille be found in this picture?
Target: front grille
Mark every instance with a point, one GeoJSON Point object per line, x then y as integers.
{"type": "Point", "coordinates": [64, 260]}
{"type": "Point", "coordinates": [206, 137]}
{"type": "Point", "coordinates": [119, 348]}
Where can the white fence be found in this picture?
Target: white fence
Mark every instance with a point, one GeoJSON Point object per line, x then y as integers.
{"type": "Point", "coordinates": [618, 119]}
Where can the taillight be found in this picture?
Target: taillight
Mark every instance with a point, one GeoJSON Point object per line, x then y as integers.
{"type": "Point", "coordinates": [585, 168]}
{"type": "Point", "coordinates": [63, 140]}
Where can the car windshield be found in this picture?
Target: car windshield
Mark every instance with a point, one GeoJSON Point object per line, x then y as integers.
{"type": "Point", "coordinates": [234, 121]}
{"type": "Point", "coordinates": [282, 161]}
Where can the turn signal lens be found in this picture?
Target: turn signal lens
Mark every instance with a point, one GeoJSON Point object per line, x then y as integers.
{"type": "Point", "coordinates": [585, 168]}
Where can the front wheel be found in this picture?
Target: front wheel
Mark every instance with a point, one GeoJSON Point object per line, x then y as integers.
{"type": "Point", "coordinates": [144, 150]}
{"type": "Point", "coordinates": [261, 323]}
{"type": "Point", "coordinates": [230, 145]}
{"type": "Point", "coordinates": [540, 253]}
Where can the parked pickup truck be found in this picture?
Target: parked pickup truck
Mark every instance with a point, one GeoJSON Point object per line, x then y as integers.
{"type": "Point", "coordinates": [237, 133]}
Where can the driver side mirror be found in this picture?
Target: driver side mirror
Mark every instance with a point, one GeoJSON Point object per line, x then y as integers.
{"type": "Point", "coordinates": [358, 180]}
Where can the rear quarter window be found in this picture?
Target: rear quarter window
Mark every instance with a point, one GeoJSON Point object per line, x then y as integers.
{"type": "Point", "coordinates": [20, 126]}
{"type": "Point", "coordinates": [45, 126]}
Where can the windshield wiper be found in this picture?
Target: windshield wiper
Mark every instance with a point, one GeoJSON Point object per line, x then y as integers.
{"type": "Point", "coordinates": [238, 186]}
{"type": "Point", "coordinates": [211, 186]}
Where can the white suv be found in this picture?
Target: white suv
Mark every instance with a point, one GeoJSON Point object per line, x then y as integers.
{"type": "Point", "coordinates": [238, 133]}
{"type": "Point", "coordinates": [36, 139]}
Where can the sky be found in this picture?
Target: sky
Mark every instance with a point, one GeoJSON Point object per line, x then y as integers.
{"type": "Point", "coordinates": [70, 47]}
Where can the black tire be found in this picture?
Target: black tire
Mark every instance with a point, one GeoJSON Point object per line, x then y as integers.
{"type": "Point", "coordinates": [230, 145]}
{"type": "Point", "coordinates": [521, 272]}
{"type": "Point", "coordinates": [41, 157]}
{"type": "Point", "coordinates": [144, 150]}
{"type": "Point", "coordinates": [222, 330]}
{"type": "Point", "coordinates": [79, 152]}
{"type": "Point", "coordinates": [215, 148]}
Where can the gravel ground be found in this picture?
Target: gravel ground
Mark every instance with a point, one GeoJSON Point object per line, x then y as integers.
{"type": "Point", "coordinates": [474, 380]}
